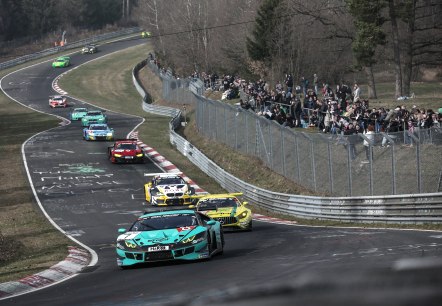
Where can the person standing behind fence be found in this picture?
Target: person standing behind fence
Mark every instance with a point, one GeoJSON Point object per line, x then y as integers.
{"type": "Point", "coordinates": [356, 92]}
{"type": "Point", "coordinates": [410, 131]}
{"type": "Point", "coordinates": [289, 84]}
{"type": "Point", "coordinates": [304, 85]}
{"type": "Point", "coordinates": [316, 83]}
{"type": "Point", "coordinates": [368, 145]}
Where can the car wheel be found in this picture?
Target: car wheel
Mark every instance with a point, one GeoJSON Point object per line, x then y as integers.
{"type": "Point", "coordinates": [249, 227]}
{"type": "Point", "coordinates": [222, 243]}
{"type": "Point", "coordinates": [209, 244]}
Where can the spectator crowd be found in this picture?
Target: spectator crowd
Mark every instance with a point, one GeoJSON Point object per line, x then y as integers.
{"type": "Point", "coordinates": [338, 111]}
{"type": "Point", "coordinates": [330, 110]}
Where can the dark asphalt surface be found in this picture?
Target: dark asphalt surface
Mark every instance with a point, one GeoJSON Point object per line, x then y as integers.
{"type": "Point", "coordinates": [90, 198]}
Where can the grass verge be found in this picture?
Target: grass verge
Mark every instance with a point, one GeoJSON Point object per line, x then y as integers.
{"type": "Point", "coordinates": [28, 243]}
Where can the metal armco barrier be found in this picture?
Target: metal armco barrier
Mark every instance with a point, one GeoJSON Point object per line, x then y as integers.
{"type": "Point", "coordinates": [73, 45]}
{"type": "Point", "coordinates": [409, 208]}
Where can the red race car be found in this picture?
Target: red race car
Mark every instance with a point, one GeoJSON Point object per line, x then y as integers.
{"type": "Point", "coordinates": [58, 101]}
{"type": "Point", "coordinates": [126, 151]}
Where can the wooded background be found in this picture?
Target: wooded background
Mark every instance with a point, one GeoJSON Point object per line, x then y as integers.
{"type": "Point", "coordinates": [340, 40]}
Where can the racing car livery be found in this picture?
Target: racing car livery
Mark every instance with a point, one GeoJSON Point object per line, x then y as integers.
{"type": "Point", "coordinates": [89, 49]}
{"type": "Point", "coordinates": [168, 189]}
{"type": "Point", "coordinates": [93, 116]}
{"type": "Point", "coordinates": [98, 131]}
{"type": "Point", "coordinates": [62, 61]}
{"type": "Point", "coordinates": [126, 151]}
{"type": "Point", "coordinates": [227, 209]}
{"type": "Point", "coordinates": [78, 113]}
{"type": "Point", "coordinates": [169, 235]}
{"type": "Point", "coordinates": [58, 101]}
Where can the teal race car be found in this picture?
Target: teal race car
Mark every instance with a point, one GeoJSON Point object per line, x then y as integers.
{"type": "Point", "coordinates": [93, 116]}
{"type": "Point", "coordinates": [62, 61]}
{"type": "Point", "coordinates": [99, 131]}
{"type": "Point", "coordinates": [78, 113]}
{"type": "Point", "coordinates": [182, 234]}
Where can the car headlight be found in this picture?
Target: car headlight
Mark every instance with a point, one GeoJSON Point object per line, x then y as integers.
{"type": "Point", "coordinates": [194, 239]}
{"type": "Point", "coordinates": [127, 245]}
{"type": "Point", "coordinates": [243, 214]}
{"type": "Point", "coordinates": [109, 134]}
{"type": "Point", "coordinates": [140, 155]}
{"type": "Point", "coordinates": [117, 155]}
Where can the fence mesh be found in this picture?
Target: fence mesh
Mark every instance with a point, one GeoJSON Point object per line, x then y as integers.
{"type": "Point", "coordinates": [331, 164]}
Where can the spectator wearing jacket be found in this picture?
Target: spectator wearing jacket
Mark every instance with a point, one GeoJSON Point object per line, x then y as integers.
{"type": "Point", "coordinates": [368, 146]}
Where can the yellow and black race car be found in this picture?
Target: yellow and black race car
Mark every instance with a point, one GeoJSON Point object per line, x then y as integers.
{"type": "Point", "coordinates": [227, 209]}
{"type": "Point", "coordinates": [168, 189]}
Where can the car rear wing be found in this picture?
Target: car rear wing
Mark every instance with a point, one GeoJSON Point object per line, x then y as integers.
{"type": "Point", "coordinates": [167, 209]}
{"type": "Point", "coordinates": [163, 174]}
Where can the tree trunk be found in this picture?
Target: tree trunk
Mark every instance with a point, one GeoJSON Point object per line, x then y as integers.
{"type": "Point", "coordinates": [408, 58]}
{"type": "Point", "coordinates": [396, 51]}
{"type": "Point", "coordinates": [370, 82]}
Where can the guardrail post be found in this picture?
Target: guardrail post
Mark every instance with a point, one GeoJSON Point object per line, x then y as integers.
{"type": "Point", "coordinates": [297, 158]}
{"type": "Point", "coordinates": [418, 160]}
{"type": "Point", "coordinates": [247, 133]}
{"type": "Point", "coordinates": [312, 158]}
{"type": "Point", "coordinates": [282, 151]}
{"type": "Point", "coordinates": [225, 125]}
{"type": "Point", "coordinates": [270, 146]}
{"type": "Point", "coordinates": [216, 122]}
{"type": "Point", "coordinates": [393, 162]}
{"type": "Point", "coordinates": [330, 163]}
{"type": "Point", "coordinates": [236, 130]}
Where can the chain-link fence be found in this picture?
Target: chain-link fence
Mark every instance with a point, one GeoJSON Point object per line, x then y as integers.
{"type": "Point", "coordinates": [394, 163]}
{"type": "Point", "coordinates": [332, 164]}
{"type": "Point", "coordinates": [182, 91]}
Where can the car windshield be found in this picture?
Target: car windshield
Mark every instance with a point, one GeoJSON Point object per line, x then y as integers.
{"type": "Point", "coordinates": [126, 146]}
{"type": "Point", "coordinates": [57, 99]}
{"type": "Point", "coordinates": [169, 181]}
{"type": "Point", "coordinates": [213, 204]}
{"type": "Point", "coordinates": [162, 222]}
{"type": "Point", "coordinates": [98, 127]}
{"type": "Point", "coordinates": [80, 110]}
{"type": "Point", "coordinates": [94, 113]}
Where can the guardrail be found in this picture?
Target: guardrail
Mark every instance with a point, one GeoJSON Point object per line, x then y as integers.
{"type": "Point", "coordinates": [73, 45]}
{"type": "Point", "coordinates": [410, 208]}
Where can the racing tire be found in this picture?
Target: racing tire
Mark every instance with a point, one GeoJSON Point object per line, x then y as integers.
{"type": "Point", "coordinates": [192, 190]}
{"type": "Point", "coordinates": [222, 243]}
{"type": "Point", "coordinates": [209, 244]}
{"type": "Point", "coordinates": [249, 227]}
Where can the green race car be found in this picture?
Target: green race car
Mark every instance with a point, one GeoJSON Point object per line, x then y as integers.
{"type": "Point", "coordinates": [62, 61]}
{"type": "Point", "coordinates": [146, 34]}
{"type": "Point", "coordinates": [93, 116]}
{"type": "Point", "coordinates": [169, 235]}
{"type": "Point", "coordinates": [78, 113]}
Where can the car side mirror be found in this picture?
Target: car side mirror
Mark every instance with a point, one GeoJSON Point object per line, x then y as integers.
{"type": "Point", "coordinates": [245, 203]}
{"type": "Point", "coordinates": [121, 230]}
{"type": "Point", "coordinates": [211, 222]}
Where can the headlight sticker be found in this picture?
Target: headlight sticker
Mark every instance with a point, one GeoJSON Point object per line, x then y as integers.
{"type": "Point", "coordinates": [130, 244]}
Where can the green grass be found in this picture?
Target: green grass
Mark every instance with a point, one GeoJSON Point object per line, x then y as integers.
{"type": "Point", "coordinates": [428, 95]}
{"type": "Point", "coordinates": [28, 243]}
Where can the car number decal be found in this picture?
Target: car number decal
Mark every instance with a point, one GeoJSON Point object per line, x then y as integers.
{"type": "Point", "coordinates": [185, 228]}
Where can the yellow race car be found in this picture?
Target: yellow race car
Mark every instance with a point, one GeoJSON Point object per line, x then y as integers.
{"type": "Point", "coordinates": [227, 209]}
{"type": "Point", "coordinates": [168, 189]}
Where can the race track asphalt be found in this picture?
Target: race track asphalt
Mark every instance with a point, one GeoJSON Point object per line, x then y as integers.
{"type": "Point", "coordinates": [90, 198]}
